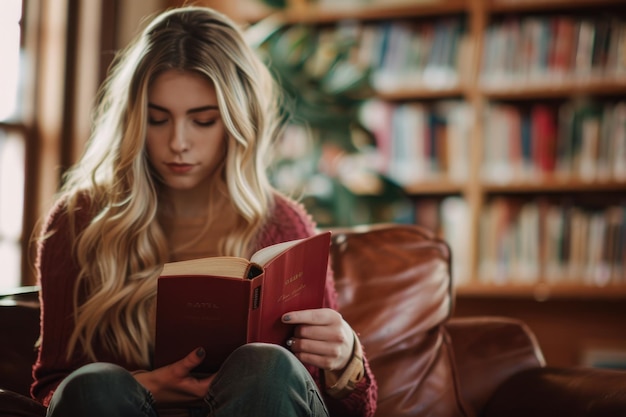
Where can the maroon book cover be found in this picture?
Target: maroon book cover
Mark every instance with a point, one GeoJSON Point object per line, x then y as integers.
{"type": "Point", "coordinates": [222, 313]}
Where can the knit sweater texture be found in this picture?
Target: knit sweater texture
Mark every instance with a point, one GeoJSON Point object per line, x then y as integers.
{"type": "Point", "coordinates": [58, 271]}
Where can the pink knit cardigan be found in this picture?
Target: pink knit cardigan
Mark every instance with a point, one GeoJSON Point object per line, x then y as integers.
{"type": "Point", "coordinates": [58, 271]}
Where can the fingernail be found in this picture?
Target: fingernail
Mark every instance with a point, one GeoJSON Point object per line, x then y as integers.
{"type": "Point", "coordinates": [286, 317]}
{"type": "Point", "coordinates": [200, 352]}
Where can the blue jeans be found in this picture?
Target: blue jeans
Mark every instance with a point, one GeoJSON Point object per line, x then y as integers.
{"type": "Point", "coordinates": [256, 380]}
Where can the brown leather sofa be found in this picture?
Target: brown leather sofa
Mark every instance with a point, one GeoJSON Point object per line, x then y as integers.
{"type": "Point", "coordinates": [395, 288]}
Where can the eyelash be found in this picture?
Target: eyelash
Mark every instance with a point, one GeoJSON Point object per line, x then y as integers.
{"type": "Point", "coordinates": [154, 122]}
{"type": "Point", "coordinates": [205, 124]}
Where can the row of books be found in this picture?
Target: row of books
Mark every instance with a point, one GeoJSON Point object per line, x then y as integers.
{"type": "Point", "coordinates": [424, 54]}
{"type": "Point", "coordinates": [540, 48]}
{"type": "Point", "coordinates": [579, 139]}
{"type": "Point", "coordinates": [531, 241]}
{"type": "Point", "coordinates": [424, 142]}
{"type": "Point", "coordinates": [339, 187]}
{"type": "Point", "coordinates": [449, 217]}
{"type": "Point", "coordinates": [418, 142]}
{"type": "Point", "coordinates": [403, 54]}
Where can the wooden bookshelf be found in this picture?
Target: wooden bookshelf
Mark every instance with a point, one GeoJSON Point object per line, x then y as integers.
{"type": "Point", "coordinates": [518, 6]}
{"type": "Point", "coordinates": [301, 11]}
{"type": "Point", "coordinates": [553, 184]}
{"type": "Point", "coordinates": [555, 88]}
{"type": "Point", "coordinates": [473, 89]}
{"type": "Point", "coordinates": [321, 14]}
{"type": "Point", "coordinates": [424, 93]}
{"type": "Point", "coordinates": [542, 291]}
{"type": "Point", "coordinates": [435, 187]}
{"type": "Point", "coordinates": [547, 307]}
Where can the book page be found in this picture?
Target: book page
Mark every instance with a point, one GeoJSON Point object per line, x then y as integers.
{"type": "Point", "coordinates": [227, 266]}
{"type": "Point", "coordinates": [264, 255]}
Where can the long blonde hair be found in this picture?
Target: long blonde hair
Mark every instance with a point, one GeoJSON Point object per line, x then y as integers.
{"type": "Point", "coordinates": [120, 252]}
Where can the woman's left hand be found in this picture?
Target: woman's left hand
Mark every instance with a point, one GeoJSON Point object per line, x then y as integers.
{"type": "Point", "coordinates": [322, 338]}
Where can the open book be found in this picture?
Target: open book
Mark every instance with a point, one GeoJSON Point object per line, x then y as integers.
{"type": "Point", "coordinates": [221, 303]}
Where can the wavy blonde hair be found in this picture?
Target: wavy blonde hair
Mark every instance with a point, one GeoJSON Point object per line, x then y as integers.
{"type": "Point", "coordinates": [121, 250]}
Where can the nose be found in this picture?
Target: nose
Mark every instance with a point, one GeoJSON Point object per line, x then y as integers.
{"type": "Point", "coordinates": [178, 140]}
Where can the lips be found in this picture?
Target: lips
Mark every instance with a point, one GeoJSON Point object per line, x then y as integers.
{"type": "Point", "coordinates": [178, 168]}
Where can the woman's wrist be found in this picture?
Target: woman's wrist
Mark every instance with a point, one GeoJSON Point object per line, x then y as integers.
{"type": "Point", "coordinates": [340, 384]}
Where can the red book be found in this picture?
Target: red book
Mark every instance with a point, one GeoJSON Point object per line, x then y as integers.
{"type": "Point", "coordinates": [221, 303]}
{"type": "Point", "coordinates": [564, 29]}
{"type": "Point", "coordinates": [544, 136]}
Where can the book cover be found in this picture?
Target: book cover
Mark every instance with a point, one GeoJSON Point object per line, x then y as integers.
{"type": "Point", "coordinates": [544, 138]}
{"type": "Point", "coordinates": [224, 308]}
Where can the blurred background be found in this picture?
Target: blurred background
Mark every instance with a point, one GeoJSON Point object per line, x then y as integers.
{"type": "Point", "coordinates": [498, 124]}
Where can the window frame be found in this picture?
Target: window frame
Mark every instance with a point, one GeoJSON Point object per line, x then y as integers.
{"type": "Point", "coordinates": [68, 60]}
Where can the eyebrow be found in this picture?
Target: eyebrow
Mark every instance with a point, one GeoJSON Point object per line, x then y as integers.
{"type": "Point", "coordinates": [193, 110]}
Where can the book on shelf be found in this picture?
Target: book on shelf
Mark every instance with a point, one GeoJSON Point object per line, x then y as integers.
{"type": "Point", "coordinates": [455, 220]}
{"type": "Point", "coordinates": [618, 143]}
{"type": "Point", "coordinates": [579, 139]}
{"type": "Point", "coordinates": [547, 50]}
{"type": "Point", "coordinates": [221, 303]}
{"type": "Point", "coordinates": [403, 55]}
{"type": "Point", "coordinates": [419, 142]}
{"type": "Point", "coordinates": [533, 241]}
{"type": "Point", "coordinates": [544, 138]}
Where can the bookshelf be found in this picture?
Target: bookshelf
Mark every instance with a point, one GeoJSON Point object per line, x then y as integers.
{"type": "Point", "coordinates": [555, 83]}
{"type": "Point", "coordinates": [481, 84]}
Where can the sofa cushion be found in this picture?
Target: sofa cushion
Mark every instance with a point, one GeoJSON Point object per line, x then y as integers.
{"type": "Point", "coordinates": [17, 405]}
{"type": "Point", "coordinates": [408, 269]}
{"type": "Point", "coordinates": [19, 327]}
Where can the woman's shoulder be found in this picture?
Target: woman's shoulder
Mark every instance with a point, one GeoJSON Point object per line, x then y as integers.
{"type": "Point", "coordinates": [285, 205]}
{"type": "Point", "coordinates": [66, 219]}
{"type": "Point", "coordinates": [288, 220]}
{"type": "Point", "coordinates": [77, 209]}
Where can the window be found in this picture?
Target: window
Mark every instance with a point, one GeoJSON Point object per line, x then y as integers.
{"type": "Point", "coordinates": [53, 57]}
{"type": "Point", "coordinates": [12, 145]}
{"type": "Point", "coordinates": [10, 15]}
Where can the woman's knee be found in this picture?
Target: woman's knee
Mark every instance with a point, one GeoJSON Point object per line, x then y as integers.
{"type": "Point", "coordinates": [272, 363]}
{"type": "Point", "coordinates": [100, 389]}
{"type": "Point", "coordinates": [266, 355]}
{"type": "Point", "coordinates": [270, 377]}
{"type": "Point", "coordinates": [96, 377]}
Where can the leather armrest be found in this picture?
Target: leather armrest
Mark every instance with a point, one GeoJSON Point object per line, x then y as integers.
{"type": "Point", "coordinates": [16, 405]}
{"type": "Point", "coordinates": [19, 330]}
{"type": "Point", "coordinates": [572, 392]}
{"type": "Point", "coordinates": [486, 352]}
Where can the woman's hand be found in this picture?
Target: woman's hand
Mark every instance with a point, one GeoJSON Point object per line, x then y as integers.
{"type": "Point", "coordinates": [173, 384]}
{"type": "Point", "coordinates": [322, 338]}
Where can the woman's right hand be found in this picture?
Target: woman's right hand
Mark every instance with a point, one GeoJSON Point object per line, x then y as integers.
{"type": "Point", "coordinates": [174, 385]}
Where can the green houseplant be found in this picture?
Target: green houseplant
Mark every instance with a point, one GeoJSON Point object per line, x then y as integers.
{"type": "Point", "coordinates": [332, 169]}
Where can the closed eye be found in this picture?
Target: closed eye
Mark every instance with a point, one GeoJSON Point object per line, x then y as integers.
{"type": "Point", "coordinates": [205, 123]}
{"type": "Point", "coordinates": [156, 122]}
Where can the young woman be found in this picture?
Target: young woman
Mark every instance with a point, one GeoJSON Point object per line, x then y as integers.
{"type": "Point", "coordinates": [176, 169]}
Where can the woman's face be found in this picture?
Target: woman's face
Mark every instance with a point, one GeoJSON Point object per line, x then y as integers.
{"type": "Point", "coordinates": [186, 139]}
